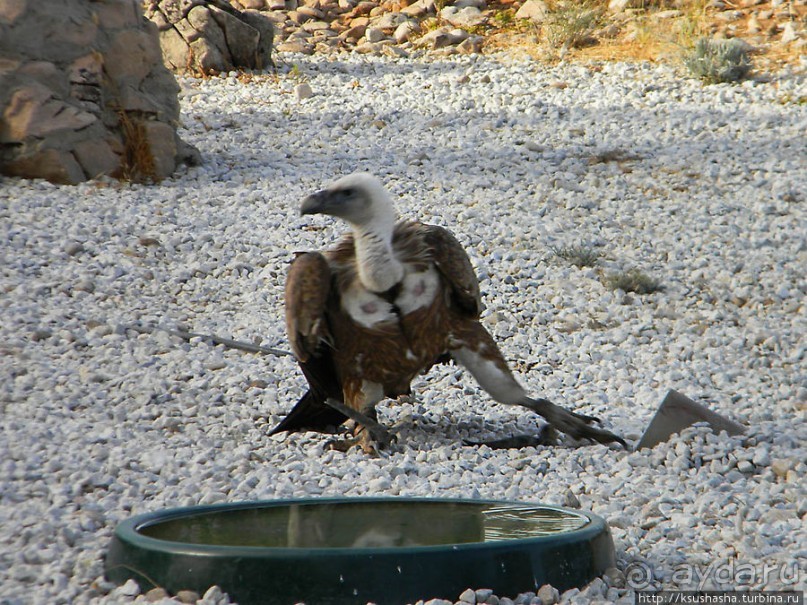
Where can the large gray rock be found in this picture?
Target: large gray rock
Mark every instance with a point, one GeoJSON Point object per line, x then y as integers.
{"type": "Point", "coordinates": [211, 36]}
{"type": "Point", "coordinates": [84, 93]}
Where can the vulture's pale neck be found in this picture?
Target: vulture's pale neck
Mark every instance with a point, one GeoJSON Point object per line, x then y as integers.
{"type": "Point", "coordinates": [379, 270]}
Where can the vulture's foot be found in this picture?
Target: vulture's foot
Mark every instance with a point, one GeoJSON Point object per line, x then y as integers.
{"type": "Point", "coordinates": [586, 419]}
{"type": "Point", "coordinates": [373, 438]}
{"type": "Point", "coordinates": [368, 433]}
{"type": "Point", "coordinates": [372, 428]}
{"type": "Point", "coordinates": [340, 445]}
{"type": "Point", "coordinates": [370, 440]}
{"type": "Point", "coordinates": [574, 425]}
{"type": "Point", "coordinates": [345, 444]}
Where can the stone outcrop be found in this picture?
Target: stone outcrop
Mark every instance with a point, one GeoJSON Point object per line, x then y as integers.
{"type": "Point", "coordinates": [211, 36]}
{"type": "Point", "coordinates": [84, 93]}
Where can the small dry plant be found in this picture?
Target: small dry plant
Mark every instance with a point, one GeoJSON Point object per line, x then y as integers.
{"type": "Point", "coordinates": [632, 280]}
{"type": "Point", "coordinates": [138, 161]}
{"type": "Point", "coordinates": [717, 61]}
{"type": "Point", "coordinates": [693, 24]}
{"type": "Point", "coordinates": [571, 24]}
{"type": "Point", "coordinates": [579, 256]}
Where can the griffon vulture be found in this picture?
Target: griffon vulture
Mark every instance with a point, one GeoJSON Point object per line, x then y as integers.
{"type": "Point", "coordinates": [388, 302]}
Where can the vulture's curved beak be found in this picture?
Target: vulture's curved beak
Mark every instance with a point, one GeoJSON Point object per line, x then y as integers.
{"type": "Point", "coordinates": [316, 203]}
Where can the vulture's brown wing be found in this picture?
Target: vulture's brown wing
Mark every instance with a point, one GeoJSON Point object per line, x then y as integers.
{"type": "Point", "coordinates": [454, 265]}
{"type": "Point", "coordinates": [308, 287]}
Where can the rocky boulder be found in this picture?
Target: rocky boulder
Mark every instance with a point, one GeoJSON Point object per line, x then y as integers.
{"type": "Point", "coordinates": [211, 36]}
{"type": "Point", "coordinates": [84, 93]}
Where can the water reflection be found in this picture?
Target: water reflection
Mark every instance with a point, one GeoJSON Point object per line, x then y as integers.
{"type": "Point", "coordinates": [366, 525]}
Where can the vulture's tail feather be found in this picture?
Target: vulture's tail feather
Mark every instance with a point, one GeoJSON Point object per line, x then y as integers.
{"type": "Point", "coordinates": [311, 412]}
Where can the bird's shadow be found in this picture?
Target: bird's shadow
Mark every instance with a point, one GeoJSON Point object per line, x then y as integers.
{"type": "Point", "coordinates": [436, 430]}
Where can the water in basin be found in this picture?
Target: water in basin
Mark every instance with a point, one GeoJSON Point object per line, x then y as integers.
{"type": "Point", "coordinates": [365, 525]}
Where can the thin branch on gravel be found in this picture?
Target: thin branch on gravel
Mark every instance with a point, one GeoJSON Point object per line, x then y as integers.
{"type": "Point", "coordinates": [217, 340]}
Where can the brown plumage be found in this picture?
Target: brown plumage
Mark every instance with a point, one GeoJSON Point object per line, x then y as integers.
{"type": "Point", "coordinates": [391, 300]}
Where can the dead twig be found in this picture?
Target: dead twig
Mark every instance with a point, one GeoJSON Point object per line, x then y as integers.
{"type": "Point", "coordinates": [216, 340]}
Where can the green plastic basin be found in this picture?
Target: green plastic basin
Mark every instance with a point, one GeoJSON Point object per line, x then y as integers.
{"type": "Point", "coordinates": [348, 551]}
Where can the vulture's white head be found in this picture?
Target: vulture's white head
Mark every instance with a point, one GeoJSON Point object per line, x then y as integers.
{"type": "Point", "coordinates": [359, 198]}
{"type": "Point", "coordinates": [362, 201]}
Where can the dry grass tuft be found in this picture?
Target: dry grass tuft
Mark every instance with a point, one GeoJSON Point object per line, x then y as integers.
{"type": "Point", "coordinates": [717, 61]}
{"type": "Point", "coordinates": [572, 24]}
{"type": "Point", "coordinates": [579, 256]}
{"type": "Point", "coordinates": [138, 161]}
{"type": "Point", "coordinates": [632, 280]}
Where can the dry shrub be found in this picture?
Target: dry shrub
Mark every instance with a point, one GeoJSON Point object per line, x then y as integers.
{"type": "Point", "coordinates": [138, 161]}
{"type": "Point", "coordinates": [716, 61]}
{"type": "Point", "coordinates": [572, 24]}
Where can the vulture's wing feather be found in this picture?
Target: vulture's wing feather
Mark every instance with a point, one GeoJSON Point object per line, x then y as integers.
{"type": "Point", "coordinates": [308, 288]}
{"type": "Point", "coordinates": [454, 265]}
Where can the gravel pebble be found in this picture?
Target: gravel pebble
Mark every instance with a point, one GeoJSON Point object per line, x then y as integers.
{"type": "Point", "coordinates": [548, 594]}
{"type": "Point", "coordinates": [187, 596]}
{"type": "Point", "coordinates": [468, 596]}
{"type": "Point", "coordinates": [156, 594]}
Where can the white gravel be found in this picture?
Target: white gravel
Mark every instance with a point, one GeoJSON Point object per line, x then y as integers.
{"type": "Point", "coordinates": [708, 196]}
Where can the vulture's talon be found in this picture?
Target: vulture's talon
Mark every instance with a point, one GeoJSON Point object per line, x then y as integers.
{"type": "Point", "coordinates": [575, 425]}
{"type": "Point", "coordinates": [363, 441]}
{"type": "Point", "coordinates": [374, 438]}
{"type": "Point", "coordinates": [600, 436]}
{"type": "Point", "coordinates": [340, 445]}
{"type": "Point", "coordinates": [383, 438]}
{"type": "Point", "coordinates": [586, 419]}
